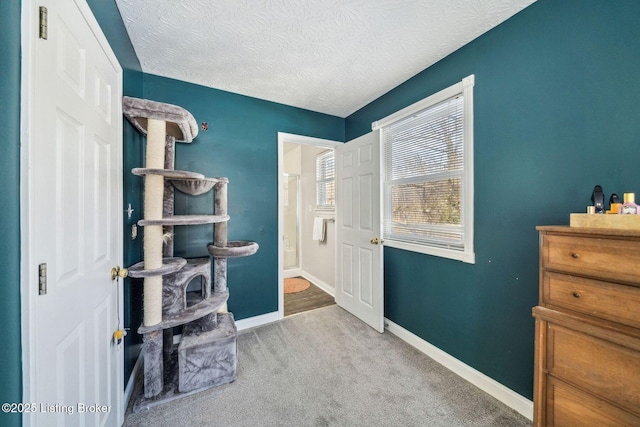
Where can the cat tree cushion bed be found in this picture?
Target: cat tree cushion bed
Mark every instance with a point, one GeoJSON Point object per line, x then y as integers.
{"type": "Point", "coordinates": [235, 248]}
{"type": "Point", "coordinates": [180, 123]}
{"type": "Point", "coordinates": [195, 187]}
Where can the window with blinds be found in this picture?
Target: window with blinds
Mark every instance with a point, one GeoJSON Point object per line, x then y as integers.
{"type": "Point", "coordinates": [428, 176]}
{"type": "Point", "coordinates": [325, 180]}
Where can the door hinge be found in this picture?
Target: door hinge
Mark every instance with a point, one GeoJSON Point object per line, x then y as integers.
{"type": "Point", "coordinates": [44, 22]}
{"type": "Point", "coordinates": [42, 279]}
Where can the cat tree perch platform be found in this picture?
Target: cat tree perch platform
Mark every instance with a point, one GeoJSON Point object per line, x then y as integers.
{"type": "Point", "coordinates": [180, 123]}
{"type": "Point", "coordinates": [206, 355]}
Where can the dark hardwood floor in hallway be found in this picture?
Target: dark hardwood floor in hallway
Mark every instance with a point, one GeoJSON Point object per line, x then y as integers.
{"type": "Point", "coordinates": [306, 300]}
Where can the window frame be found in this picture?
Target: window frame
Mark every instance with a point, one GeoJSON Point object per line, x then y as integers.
{"type": "Point", "coordinates": [464, 88]}
{"type": "Point", "coordinates": [320, 157]}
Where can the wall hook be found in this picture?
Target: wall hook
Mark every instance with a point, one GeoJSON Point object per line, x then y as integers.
{"type": "Point", "coordinates": [129, 211]}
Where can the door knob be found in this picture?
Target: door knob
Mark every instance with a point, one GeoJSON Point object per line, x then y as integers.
{"type": "Point", "coordinates": [118, 271]}
{"type": "Point", "coordinates": [375, 241]}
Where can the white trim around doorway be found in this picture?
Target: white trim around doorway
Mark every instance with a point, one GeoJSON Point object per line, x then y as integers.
{"type": "Point", "coordinates": [294, 139]}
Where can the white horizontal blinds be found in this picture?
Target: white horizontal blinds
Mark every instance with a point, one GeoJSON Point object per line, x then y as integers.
{"type": "Point", "coordinates": [424, 168]}
{"type": "Point", "coordinates": [325, 180]}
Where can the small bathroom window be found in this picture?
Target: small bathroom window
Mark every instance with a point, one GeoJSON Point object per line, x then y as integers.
{"type": "Point", "coordinates": [325, 181]}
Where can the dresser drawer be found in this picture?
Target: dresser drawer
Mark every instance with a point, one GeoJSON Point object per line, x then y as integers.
{"type": "Point", "coordinates": [610, 301]}
{"type": "Point", "coordinates": [607, 370]}
{"type": "Point", "coordinates": [568, 406]}
{"type": "Point", "coordinates": [598, 257]}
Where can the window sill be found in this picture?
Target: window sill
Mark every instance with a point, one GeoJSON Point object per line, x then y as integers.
{"type": "Point", "coordinates": [468, 257]}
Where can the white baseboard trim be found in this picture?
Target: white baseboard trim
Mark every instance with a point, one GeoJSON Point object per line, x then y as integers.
{"type": "Point", "coordinates": [319, 283]}
{"type": "Point", "coordinates": [490, 386]}
{"type": "Point", "coordinates": [252, 322]}
{"type": "Point", "coordinates": [291, 272]}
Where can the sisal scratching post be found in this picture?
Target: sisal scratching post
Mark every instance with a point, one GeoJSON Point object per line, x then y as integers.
{"type": "Point", "coordinates": [153, 203]}
{"type": "Point", "coordinates": [153, 209]}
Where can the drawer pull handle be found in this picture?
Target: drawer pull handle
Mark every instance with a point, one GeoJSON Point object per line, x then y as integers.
{"type": "Point", "coordinates": [575, 255]}
{"type": "Point", "coordinates": [576, 294]}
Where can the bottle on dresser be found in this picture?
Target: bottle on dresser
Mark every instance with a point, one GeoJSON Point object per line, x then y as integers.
{"type": "Point", "coordinates": [629, 206]}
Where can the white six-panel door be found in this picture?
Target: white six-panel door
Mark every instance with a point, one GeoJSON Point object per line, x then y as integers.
{"type": "Point", "coordinates": [75, 208]}
{"type": "Point", "coordinates": [359, 280]}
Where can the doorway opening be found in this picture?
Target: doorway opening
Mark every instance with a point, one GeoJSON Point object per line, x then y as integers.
{"type": "Point", "coordinates": [306, 259]}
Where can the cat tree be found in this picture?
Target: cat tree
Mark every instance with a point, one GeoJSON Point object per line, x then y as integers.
{"type": "Point", "coordinates": [206, 355]}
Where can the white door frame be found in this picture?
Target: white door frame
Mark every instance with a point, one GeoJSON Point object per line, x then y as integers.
{"type": "Point", "coordinates": [28, 267]}
{"type": "Point", "coordinates": [294, 139]}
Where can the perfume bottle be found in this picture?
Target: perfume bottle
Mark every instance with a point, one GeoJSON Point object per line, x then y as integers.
{"type": "Point", "coordinates": [629, 206]}
{"type": "Point", "coordinates": [614, 203]}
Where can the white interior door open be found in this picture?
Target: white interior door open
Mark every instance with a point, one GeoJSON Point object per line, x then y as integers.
{"type": "Point", "coordinates": [359, 281]}
{"type": "Point", "coordinates": [75, 370]}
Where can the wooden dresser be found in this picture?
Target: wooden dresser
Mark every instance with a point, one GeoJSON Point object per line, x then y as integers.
{"type": "Point", "coordinates": [587, 345]}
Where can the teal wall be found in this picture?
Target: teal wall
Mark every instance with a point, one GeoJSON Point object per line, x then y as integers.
{"type": "Point", "coordinates": [241, 144]}
{"type": "Point", "coordinates": [556, 112]}
{"type": "Point", "coordinates": [10, 350]}
{"type": "Point", "coordinates": [108, 16]}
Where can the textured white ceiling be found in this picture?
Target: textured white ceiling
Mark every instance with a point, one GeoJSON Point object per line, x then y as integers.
{"type": "Point", "coordinates": [330, 56]}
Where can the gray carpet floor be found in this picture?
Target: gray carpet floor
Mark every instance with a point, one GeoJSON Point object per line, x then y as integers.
{"type": "Point", "coordinates": [326, 368]}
